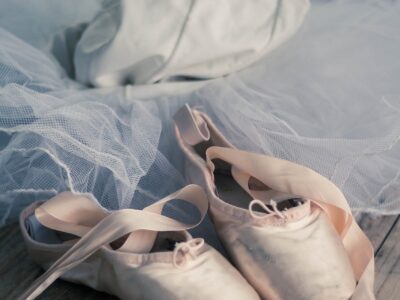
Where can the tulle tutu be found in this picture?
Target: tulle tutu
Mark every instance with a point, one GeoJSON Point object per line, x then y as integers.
{"type": "Point", "coordinates": [329, 98]}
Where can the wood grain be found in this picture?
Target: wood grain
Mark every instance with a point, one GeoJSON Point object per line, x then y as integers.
{"type": "Point", "coordinates": [387, 266]}
{"type": "Point", "coordinates": [17, 271]}
{"type": "Point", "coordinates": [376, 227]}
{"type": "Point", "coordinates": [384, 233]}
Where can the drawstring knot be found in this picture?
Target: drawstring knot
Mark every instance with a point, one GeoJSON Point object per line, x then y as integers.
{"type": "Point", "coordinates": [184, 249]}
{"type": "Point", "coordinates": [274, 211]}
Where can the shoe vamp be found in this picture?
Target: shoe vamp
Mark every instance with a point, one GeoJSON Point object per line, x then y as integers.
{"type": "Point", "coordinates": [308, 262]}
{"type": "Point", "coordinates": [208, 276]}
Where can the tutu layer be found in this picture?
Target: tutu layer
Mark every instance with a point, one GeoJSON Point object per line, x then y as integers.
{"type": "Point", "coordinates": [328, 98]}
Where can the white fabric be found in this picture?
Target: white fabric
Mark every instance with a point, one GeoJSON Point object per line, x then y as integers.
{"type": "Point", "coordinates": [141, 41]}
{"type": "Point", "coordinates": [328, 98]}
{"type": "Point", "coordinates": [56, 136]}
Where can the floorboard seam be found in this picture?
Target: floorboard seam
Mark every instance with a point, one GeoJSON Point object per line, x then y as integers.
{"type": "Point", "coordinates": [387, 235]}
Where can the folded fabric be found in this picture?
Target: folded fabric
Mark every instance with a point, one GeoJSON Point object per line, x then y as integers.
{"type": "Point", "coordinates": [142, 42]}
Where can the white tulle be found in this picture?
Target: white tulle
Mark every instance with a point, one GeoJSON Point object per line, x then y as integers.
{"type": "Point", "coordinates": [329, 98]}
{"type": "Point", "coordinates": [57, 135]}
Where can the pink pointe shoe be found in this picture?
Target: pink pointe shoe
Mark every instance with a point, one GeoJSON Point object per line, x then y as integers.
{"type": "Point", "coordinates": [132, 254]}
{"type": "Point", "coordinates": [287, 229]}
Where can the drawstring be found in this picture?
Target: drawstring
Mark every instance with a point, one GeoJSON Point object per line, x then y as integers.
{"type": "Point", "coordinates": [190, 247]}
{"type": "Point", "coordinates": [274, 211]}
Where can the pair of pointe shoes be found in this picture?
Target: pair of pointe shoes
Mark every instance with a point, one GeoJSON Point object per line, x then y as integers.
{"type": "Point", "coordinates": [288, 231]}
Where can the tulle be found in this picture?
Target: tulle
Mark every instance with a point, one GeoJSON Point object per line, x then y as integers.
{"type": "Point", "coordinates": [58, 136]}
{"type": "Point", "coordinates": [329, 99]}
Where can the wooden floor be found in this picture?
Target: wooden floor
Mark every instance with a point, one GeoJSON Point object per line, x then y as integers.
{"type": "Point", "coordinates": [17, 271]}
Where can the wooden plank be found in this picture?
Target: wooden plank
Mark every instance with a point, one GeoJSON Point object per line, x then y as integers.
{"type": "Point", "coordinates": [17, 272]}
{"type": "Point", "coordinates": [387, 265]}
{"type": "Point", "coordinates": [376, 227]}
{"type": "Point", "coordinates": [384, 233]}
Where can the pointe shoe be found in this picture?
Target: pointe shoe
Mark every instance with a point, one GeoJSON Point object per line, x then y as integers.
{"type": "Point", "coordinates": [132, 254]}
{"type": "Point", "coordinates": [287, 229]}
